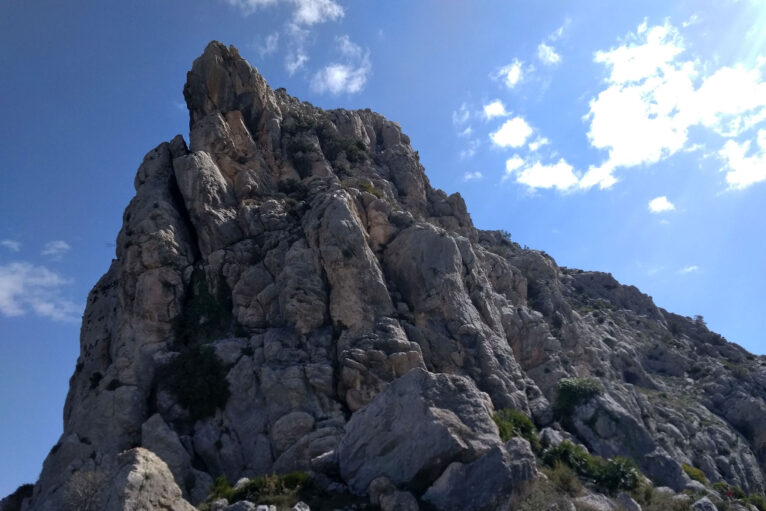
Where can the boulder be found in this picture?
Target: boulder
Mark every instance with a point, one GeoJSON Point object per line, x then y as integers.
{"type": "Point", "coordinates": [141, 480]}
{"type": "Point", "coordinates": [414, 429]}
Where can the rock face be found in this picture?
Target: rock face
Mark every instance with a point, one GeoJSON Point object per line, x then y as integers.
{"type": "Point", "coordinates": [290, 293]}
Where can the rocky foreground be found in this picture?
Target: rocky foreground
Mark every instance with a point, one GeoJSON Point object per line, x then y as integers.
{"type": "Point", "coordinates": [294, 314]}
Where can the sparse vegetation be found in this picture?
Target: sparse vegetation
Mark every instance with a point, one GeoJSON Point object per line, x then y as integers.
{"type": "Point", "coordinates": [564, 478]}
{"type": "Point", "coordinates": [571, 392]}
{"type": "Point", "coordinates": [299, 152]}
{"type": "Point", "coordinates": [196, 377]}
{"type": "Point", "coordinates": [83, 491]}
{"type": "Point", "coordinates": [695, 473]}
{"type": "Point", "coordinates": [513, 423]}
{"type": "Point", "coordinates": [198, 380]}
{"type": "Point", "coordinates": [610, 476]}
{"type": "Point", "coordinates": [280, 490]}
{"type": "Point", "coordinates": [540, 494]}
{"type": "Point", "coordinates": [757, 500]}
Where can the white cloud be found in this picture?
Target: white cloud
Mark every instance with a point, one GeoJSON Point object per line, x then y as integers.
{"type": "Point", "coordinates": [295, 60]}
{"type": "Point", "coordinates": [547, 55]}
{"type": "Point", "coordinates": [26, 288]}
{"type": "Point", "coordinates": [55, 249]}
{"type": "Point", "coordinates": [473, 176]}
{"type": "Point", "coordinates": [513, 133]}
{"type": "Point", "coordinates": [744, 170]}
{"type": "Point", "coordinates": [689, 269]}
{"type": "Point", "coordinates": [461, 115]}
{"type": "Point", "coordinates": [556, 35]}
{"type": "Point", "coordinates": [538, 143]}
{"type": "Point", "coordinates": [660, 204]}
{"type": "Point", "coordinates": [469, 151]}
{"type": "Point", "coordinates": [305, 12]}
{"type": "Point", "coordinates": [250, 6]}
{"type": "Point", "coordinates": [495, 109]}
{"type": "Point", "coordinates": [348, 77]}
{"type": "Point", "coordinates": [12, 245]}
{"type": "Point", "coordinates": [511, 74]}
{"type": "Point", "coordinates": [269, 45]}
{"type": "Point", "coordinates": [511, 164]}
{"type": "Point", "coordinates": [311, 12]}
{"type": "Point", "coordinates": [559, 175]}
{"type": "Point", "coordinates": [650, 102]}
{"type": "Point", "coordinates": [467, 132]}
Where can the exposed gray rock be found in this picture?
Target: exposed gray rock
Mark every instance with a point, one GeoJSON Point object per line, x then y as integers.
{"type": "Point", "coordinates": [486, 482]}
{"type": "Point", "coordinates": [243, 505]}
{"type": "Point", "coordinates": [704, 504]}
{"type": "Point", "coordinates": [414, 429]}
{"type": "Point", "coordinates": [627, 503]}
{"type": "Point", "coordinates": [595, 502]}
{"type": "Point", "coordinates": [306, 251]}
{"type": "Point", "coordinates": [142, 481]}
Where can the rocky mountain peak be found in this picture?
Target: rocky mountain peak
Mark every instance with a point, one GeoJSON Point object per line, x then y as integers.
{"type": "Point", "coordinates": [290, 294]}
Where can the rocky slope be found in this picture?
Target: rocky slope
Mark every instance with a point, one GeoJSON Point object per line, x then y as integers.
{"type": "Point", "coordinates": [290, 293]}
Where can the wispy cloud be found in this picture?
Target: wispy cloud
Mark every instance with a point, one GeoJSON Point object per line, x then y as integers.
{"type": "Point", "coordinates": [510, 74]}
{"type": "Point", "coordinates": [473, 176]}
{"type": "Point", "coordinates": [55, 249]}
{"type": "Point", "coordinates": [660, 204]}
{"type": "Point", "coordinates": [305, 14]}
{"type": "Point", "coordinates": [688, 269]}
{"type": "Point", "coordinates": [547, 55]}
{"type": "Point", "coordinates": [311, 12]}
{"type": "Point", "coordinates": [349, 76]}
{"type": "Point", "coordinates": [461, 115]}
{"type": "Point", "coordinates": [26, 288]}
{"type": "Point", "coordinates": [470, 149]}
{"type": "Point", "coordinates": [12, 245]}
{"type": "Point", "coordinates": [269, 45]}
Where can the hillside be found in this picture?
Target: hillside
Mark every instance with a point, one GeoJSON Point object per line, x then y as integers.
{"type": "Point", "coordinates": [290, 294]}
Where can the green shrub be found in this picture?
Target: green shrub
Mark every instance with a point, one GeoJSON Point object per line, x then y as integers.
{"type": "Point", "coordinates": [513, 423]}
{"type": "Point", "coordinates": [571, 392]}
{"type": "Point", "coordinates": [333, 145]}
{"type": "Point", "coordinates": [280, 490]}
{"type": "Point", "coordinates": [695, 473]}
{"type": "Point", "coordinates": [571, 455]}
{"type": "Point", "coordinates": [221, 489]}
{"type": "Point", "coordinates": [617, 474]}
{"type": "Point", "coordinates": [367, 187]}
{"type": "Point", "coordinates": [610, 476]}
{"type": "Point", "coordinates": [757, 500]}
{"type": "Point", "coordinates": [197, 378]}
{"type": "Point", "coordinates": [299, 151]}
{"type": "Point", "coordinates": [652, 500]}
{"type": "Point", "coordinates": [204, 316]}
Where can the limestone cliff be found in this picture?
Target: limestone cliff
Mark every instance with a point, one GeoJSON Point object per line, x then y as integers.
{"type": "Point", "coordinates": [290, 293]}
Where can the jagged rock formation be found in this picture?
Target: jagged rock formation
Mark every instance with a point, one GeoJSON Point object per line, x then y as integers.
{"type": "Point", "coordinates": [290, 293]}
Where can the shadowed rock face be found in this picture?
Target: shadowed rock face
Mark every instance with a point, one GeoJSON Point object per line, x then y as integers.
{"type": "Point", "coordinates": [290, 281]}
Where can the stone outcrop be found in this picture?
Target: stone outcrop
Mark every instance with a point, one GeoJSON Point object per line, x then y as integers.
{"type": "Point", "coordinates": [290, 293]}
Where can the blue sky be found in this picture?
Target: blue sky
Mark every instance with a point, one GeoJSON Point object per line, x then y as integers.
{"type": "Point", "coordinates": [630, 140]}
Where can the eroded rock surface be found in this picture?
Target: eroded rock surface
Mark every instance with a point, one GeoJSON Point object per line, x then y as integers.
{"type": "Point", "coordinates": [290, 293]}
